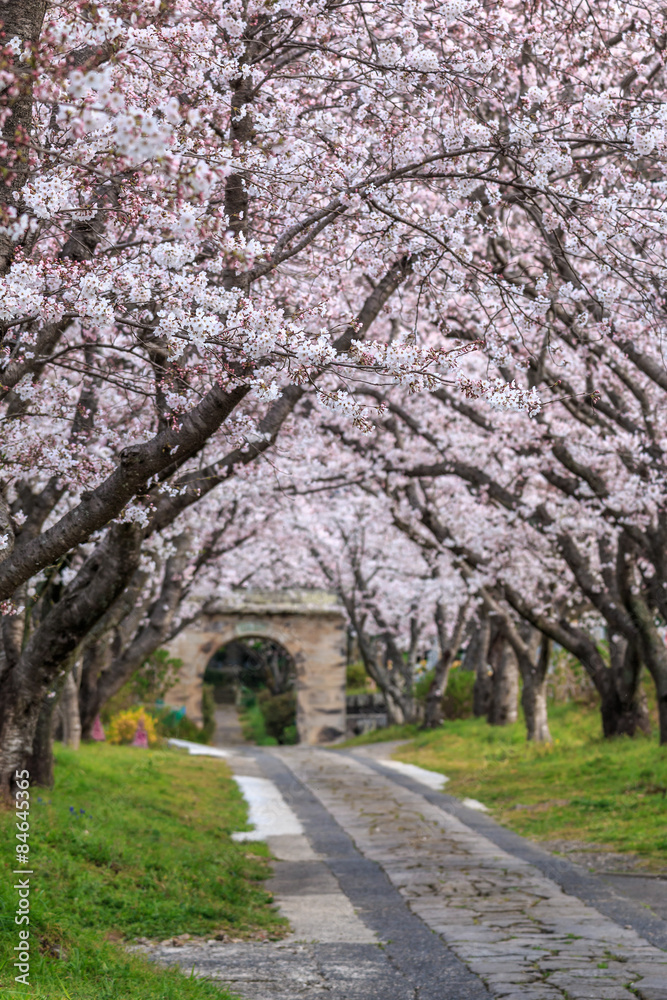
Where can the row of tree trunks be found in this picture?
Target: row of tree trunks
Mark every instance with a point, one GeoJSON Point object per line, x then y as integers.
{"type": "Point", "coordinates": [500, 653]}
{"type": "Point", "coordinates": [507, 658]}
{"type": "Point", "coordinates": [38, 675]}
{"type": "Point", "coordinates": [476, 659]}
{"type": "Point", "coordinates": [622, 706]}
{"type": "Point", "coordinates": [497, 651]}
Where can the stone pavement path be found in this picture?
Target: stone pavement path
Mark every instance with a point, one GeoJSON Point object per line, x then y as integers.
{"type": "Point", "coordinates": [228, 731]}
{"type": "Point", "coordinates": [395, 892]}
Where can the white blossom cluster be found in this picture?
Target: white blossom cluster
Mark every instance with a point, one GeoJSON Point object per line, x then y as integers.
{"type": "Point", "coordinates": [342, 402]}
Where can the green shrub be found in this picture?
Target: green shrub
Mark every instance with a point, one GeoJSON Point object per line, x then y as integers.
{"type": "Point", "coordinates": [423, 685]}
{"type": "Point", "coordinates": [290, 735]}
{"type": "Point", "coordinates": [457, 700]}
{"type": "Point", "coordinates": [147, 685]}
{"type": "Point", "coordinates": [253, 722]}
{"type": "Point", "coordinates": [248, 697]}
{"type": "Point", "coordinates": [356, 678]}
{"type": "Point", "coordinates": [279, 711]}
{"type": "Point", "coordinates": [208, 711]}
{"type": "Point", "coordinates": [171, 723]}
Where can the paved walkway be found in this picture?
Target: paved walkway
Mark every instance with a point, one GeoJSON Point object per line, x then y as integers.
{"type": "Point", "coordinates": [396, 891]}
{"type": "Point", "coordinates": [228, 731]}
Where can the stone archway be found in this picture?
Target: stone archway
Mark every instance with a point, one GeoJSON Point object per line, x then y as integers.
{"type": "Point", "coordinates": [308, 624]}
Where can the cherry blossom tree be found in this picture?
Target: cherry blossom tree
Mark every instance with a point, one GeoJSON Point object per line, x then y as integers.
{"type": "Point", "coordinates": [552, 525]}
{"type": "Point", "coordinates": [399, 601]}
{"type": "Point", "coordinates": [216, 214]}
{"type": "Point", "coordinates": [391, 595]}
{"type": "Point", "coordinates": [178, 207]}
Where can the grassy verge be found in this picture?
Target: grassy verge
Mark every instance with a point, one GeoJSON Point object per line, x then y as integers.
{"type": "Point", "coordinates": [130, 843]}
{"type": "Point", "coordinates": [580, 788]}
{"type": "Point", "coordinates": [407, 732]}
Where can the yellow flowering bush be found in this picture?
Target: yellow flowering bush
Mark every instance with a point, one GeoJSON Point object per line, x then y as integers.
{"type": "Point", "coordinates": [123, 726]}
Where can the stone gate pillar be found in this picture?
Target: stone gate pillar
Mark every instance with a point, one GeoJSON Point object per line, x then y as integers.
{"type": "Point", "coordinates": [320, 674]}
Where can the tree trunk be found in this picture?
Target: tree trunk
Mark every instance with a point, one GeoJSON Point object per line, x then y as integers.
{"type": "Point", "coordinates": [626, 670]}
{"type": "Point", "coordinates": [65, 698]}
{"type": "Point", "coordinates": [654, 655]}
{"type": "Point", "coordinates": [96, 659]}
{"type": "Point", "coordinates": [623, 712]}
{"type": "Point", "coordinates": [395, 713]}
{"type": "Point", "coordinates": [69, 708]}
{"type": "Point", "coordinates": [534, 703]}
{"type": "Point", "coordinates": [436, 692]}
{"type": "Point", "coordinates": [619, 719]}
{"type": "Point", "coordinates": [477, 658]}
{"type": "Point", "coordinates": [400, 675]}
{"type": "Point", "coordinates": [530, 650]}
{"type": "Point", "coordinates": [534, 656]}
{"type": "Point", "coordinates": [534, 693]}
{"type": "Point", "coordinates": [448, 647]}
{"type": "Point", "coordinates": [482, 694]}
{"type": "Point", "coordinates": [29, 717]}
{"type": "Point", "coordinates": [400, 704]}
{"type": "Point", "coordinates": [503, 709]}
{"type": "Point", "coordinates": [40, 764]}
{"type": "Point", "coordinates": [108, 664]}
{"type": "Point", "coordinates": [624, 717]}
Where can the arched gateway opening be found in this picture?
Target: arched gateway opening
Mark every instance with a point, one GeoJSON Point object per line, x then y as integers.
{"type": "Point", "coordinates": [253, 664]}
{"type": "Point", "coordinates": [257, 672]}
{"type": "Point", "coordinates": [301, 633]}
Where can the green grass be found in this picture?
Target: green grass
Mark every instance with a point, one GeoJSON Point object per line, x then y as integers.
{"type": "Point", "coordinates": [407, 732]}
{"type": "Point", "coordinates": [582, 787]}
{"type": "Point", "coordinates": [145, 852]}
